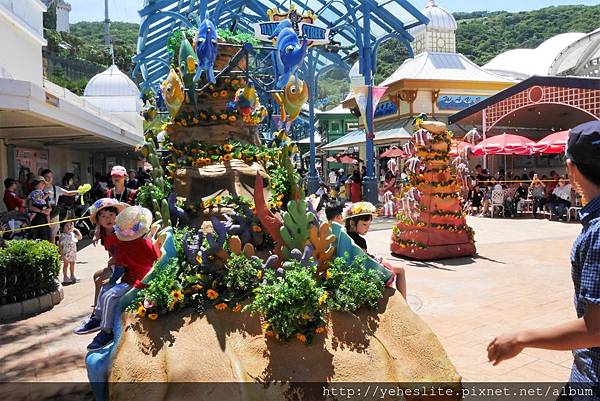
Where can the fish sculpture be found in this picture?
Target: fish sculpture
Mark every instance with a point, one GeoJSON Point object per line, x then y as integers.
{"type": "Point", "coordinates": [206, 50]}
{"type": "Point", "coordinates": [172, 91]}
{"type": "Point", "coordinates": [149, 111]}
{"type": "Point", "coordinates": [246, 100]}
{"type": "Point", "coordinates": [289, 53]}
{"type": "Point", "coordinates": [187, 67]}
{"type": "Point", "coordinates": [291, 100]}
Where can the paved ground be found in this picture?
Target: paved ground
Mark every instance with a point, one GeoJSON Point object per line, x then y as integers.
{"type": "Point", "coordinates": [520, 279]}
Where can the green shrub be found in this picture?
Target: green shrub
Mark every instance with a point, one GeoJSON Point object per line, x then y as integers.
{"type": "Point", "coordinates": [147, 192]}
{"type": "Point", "coordinates": [351, 286]}
{"type": "Point", "coordinates": [242, 277]}
{"type": "Point", "coordinates": [28, 269]}
{"type": "Point", "coordinates": [291, 306]}
{"type": "Point", "coordinates": [163, 294]}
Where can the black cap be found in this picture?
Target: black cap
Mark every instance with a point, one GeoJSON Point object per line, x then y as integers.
{"type": "Point", "coordinates": [583, 145]}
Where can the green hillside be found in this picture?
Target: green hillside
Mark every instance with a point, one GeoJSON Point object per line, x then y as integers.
{"type": "Point", "coordinates": [481, 35]}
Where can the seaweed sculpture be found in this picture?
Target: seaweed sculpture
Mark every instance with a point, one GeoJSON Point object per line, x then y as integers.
{"type": "Point", "coordinates": [296, 222]}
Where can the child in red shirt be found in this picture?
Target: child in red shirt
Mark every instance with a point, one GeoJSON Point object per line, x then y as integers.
{"type": "Point", "coordinates": [134, 257]}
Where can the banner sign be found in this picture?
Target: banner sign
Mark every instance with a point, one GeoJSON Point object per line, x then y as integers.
{"type": "Point", "coordinates": [458, 102]}
{"type": "Point", "coordinates": [385, 109]}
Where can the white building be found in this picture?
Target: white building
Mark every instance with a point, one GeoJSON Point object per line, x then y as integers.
{"type": "Point", "coordinates": [44, 125]}
{"type": "Point", "coordinates": [62, 14]}
{"type": "Point", "coordinates": [567, 54]}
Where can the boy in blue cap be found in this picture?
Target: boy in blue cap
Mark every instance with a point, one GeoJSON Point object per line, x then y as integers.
{"type": "Point", "coordinates": [582, 336]}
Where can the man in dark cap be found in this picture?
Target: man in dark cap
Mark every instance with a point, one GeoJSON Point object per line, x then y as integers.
{"type": "Point", "coordinates": [582, 335]}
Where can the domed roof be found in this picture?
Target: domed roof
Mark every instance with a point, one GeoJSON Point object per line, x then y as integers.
{"type": "Point", "coordinates": [111, 82]}
{"type": "Point", "coordinates": [439, 18]}
{"type": "Point", "coordinates": [523, 63]}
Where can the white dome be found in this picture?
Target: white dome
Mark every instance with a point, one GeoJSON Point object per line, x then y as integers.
{"type": "Point", "coordinates": [440, 19]}
{"type": "Point", "coordinates": [523, 63]}
{"type": "Point", "coordinates": [111, 82]}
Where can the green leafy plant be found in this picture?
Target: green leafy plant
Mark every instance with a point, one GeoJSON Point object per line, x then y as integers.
{"type": "Point", "coordinates": [351, 286]}
{"type": "Point", "coordinates": [243, 276]}
{"type": "Point", "coordinates": [147, 192]}
{"type": "Point", "coordinates": [237, 37]}
{"type": "Point", "coordinates": [28, 269]}
{"type": "Point", "coordinates": [290, 306]}
{"type": "Point", "coordinates": [163, 294]}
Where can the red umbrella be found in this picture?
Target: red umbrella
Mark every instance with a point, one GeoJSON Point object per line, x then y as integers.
{"type": "Point", "coordinates": [458, 147]}
{"type": "Point", "coordinates": [504, 144]}
{"type": "Point", "coordinates": [331, 159]}
{"type": "Point", "coordinates": [348, 160]}
{"type": "Point", "coordinates": [394, 151]}
{"type": "Point", "coordinates": [553, 143]}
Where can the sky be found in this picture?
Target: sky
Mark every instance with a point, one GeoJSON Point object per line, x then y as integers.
{"type": "Point", "coordinates": [126, 10]}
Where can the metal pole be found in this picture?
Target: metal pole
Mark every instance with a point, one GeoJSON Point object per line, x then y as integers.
{"type": "Point", "coordinates": [370, 181]}
{"type": "Point", "coordinates": [312, 181]}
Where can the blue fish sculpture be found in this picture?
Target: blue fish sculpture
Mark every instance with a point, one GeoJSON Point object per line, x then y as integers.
{"type": "Point", "coordinates": [205, 46]}
{"type": "Point", "coordinates": [289, 54]}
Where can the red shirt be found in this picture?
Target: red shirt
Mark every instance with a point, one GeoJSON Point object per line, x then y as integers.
{"type": "Point", "coordinates": [137, 257]}
{"type": "Point", "coordinates": [12, 201]}
{"type": "Point", "coordinates": [110, 242]}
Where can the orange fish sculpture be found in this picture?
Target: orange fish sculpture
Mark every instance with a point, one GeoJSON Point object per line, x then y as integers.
{"type": "Point", "coordinates": [294, 95]}
{"type": "Point", "coordinates": [173, 93]}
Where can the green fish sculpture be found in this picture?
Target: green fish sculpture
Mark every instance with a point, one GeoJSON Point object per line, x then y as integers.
{"type": "Point", "coordinates": [188, 63]}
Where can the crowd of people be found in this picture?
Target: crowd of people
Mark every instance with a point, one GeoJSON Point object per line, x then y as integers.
{"type": "Point", "coordinates": [550, 196]}
{"type": "Point", "coordinates": [44, 210]}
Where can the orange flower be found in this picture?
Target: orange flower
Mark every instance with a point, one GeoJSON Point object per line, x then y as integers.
{"type": "Point", "coordinates": [228, 147]}
{"type": "Point", "coordinates": [301, 337]}
{"type": "Point", "coordinates": [228, 157]}
{"type": "Point", "coordinates": [320, 330]}
{"type": "Point", "coordinates": [153, 316]}
{"type": "Point", "coordinates": [237, 308]}
{"type": "Point", "coordinates": [213, 117]}
{"type": "Point", "coordinates": [141, 311]}
{"type": "Point", "coordinates": [256, 228]}
{"type": "Point", "coordinates": [232, 118]}
{"type": "Point", "coordinates": [223, 116]}
{"type": "Point", "coordinates": [212, 294]}
{"type": "Point", "coordinates": [197, 287]}
{"type": "Point", "coordinates": [215, 94]}
{"type": "Point", "coordinates": [221, 306]}
{"type": "Point", "coordinates": [223, 93]}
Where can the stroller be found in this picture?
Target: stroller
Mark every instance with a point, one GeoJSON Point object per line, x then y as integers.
{"type": "Point", "coordinates": [11, 222]}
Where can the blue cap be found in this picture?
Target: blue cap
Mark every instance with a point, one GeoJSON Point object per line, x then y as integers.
{"type": "Point", "coordinates": [583, 146]}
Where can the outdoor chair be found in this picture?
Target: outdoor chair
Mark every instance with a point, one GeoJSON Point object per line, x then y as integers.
{"type": "Point", "coordinates": [574, 210]}
{"type": "Point", "coordinates": [497, 201]}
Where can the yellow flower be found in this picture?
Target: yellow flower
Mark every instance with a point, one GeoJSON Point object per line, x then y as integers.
{"type": "Point", "coordinates": [323, 298]}
{"type": "Point", "coordinates": [237, 308]}
{"type": "Point", "coordinates": [234, 81]}
{"type": "Point", "coordinates": [223, 93]}
{"type": "Point", "coordinates": [197, 287]}
{"type": "Point", "coordinates": [213, 117]}
{"type": "Point", "coordinates": [279, 204]}
{"type": "Point", "coordinates": [177, 295]}
{"type": "Point", "coordinates": [301, 337]}
{"type": "Point", "coordinates": [153, 316]}
{"type": "Point", "coordinates": [195, 120]}
{"type": "Point", "coordinates": [228, 147]}
{"type": "Point", "coordinates": [256, 228]}
{"type": "Point", "coordinates": [259, 274]}
{"type": "Point", "coordinates": [221, 306]}
{"type": "Point", "coordinates": [184, 122]}
{"type": "Point", "coordinates": [320, 330]}
{"type": "Point", "coordinates": [212, 294]}
{"type": "Point", "coordinates": [232, 118]}
{"type": "Point", "coordinates": [266, 327]}
{"type": "Point", "coordinates": [223, 116]}
{"type": "Point", "coordinates": [227, 157]}
{"type": "Point", "coordinates": [141, 311]}
{"type": "Point", "coordinates": [306, 316]}
{"type": "Point", "coordinates": [217, 199]}
{"type": "Point", "coordinates": [215, 94]}
{"type": "Point", "coordinates": [328, 274]}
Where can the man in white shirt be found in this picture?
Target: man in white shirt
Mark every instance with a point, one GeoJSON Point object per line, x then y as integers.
{"type": "Point", "coordinates": [55, 192]}
{"type": "Point", "coordinates": [561, 199]}
{"type": "Point", "coordinates": [333, 178]}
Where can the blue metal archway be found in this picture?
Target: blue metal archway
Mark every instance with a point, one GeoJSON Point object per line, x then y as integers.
{"type": "Point", "coordinates": [358, 26]}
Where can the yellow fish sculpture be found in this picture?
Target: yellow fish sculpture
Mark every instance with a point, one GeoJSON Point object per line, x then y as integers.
{"type": "Point", "coordinates": [294, 95]}
{"type": "Point", "coordinates": [173, 93]}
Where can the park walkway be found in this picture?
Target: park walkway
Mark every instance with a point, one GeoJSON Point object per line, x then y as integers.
{"type": "Point", "coordinates": [521, 279]}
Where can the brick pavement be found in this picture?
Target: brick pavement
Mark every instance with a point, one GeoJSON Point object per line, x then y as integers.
{"type": "Point", "coordinates": [520, 279]}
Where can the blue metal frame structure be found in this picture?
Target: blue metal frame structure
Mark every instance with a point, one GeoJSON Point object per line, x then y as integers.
{"type": "Point", "coordinates": [358, 25]}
